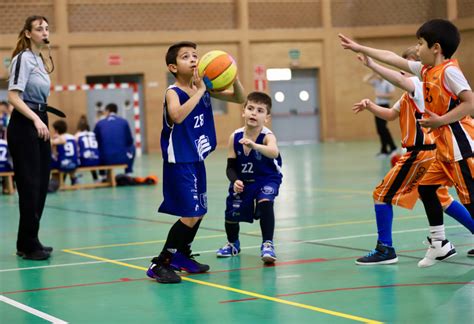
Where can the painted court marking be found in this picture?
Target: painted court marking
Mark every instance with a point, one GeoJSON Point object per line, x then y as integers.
{"type": "Point", "coordinates": [239, 291]}
{"type": "Point", "coordinates": [354, 288]}
{"type": "Point", "coordinates": [31, 310]}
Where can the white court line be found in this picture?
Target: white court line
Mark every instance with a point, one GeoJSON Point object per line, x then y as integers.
{"type": "Point", "coordinates": [97, 262]}
{"type": "Point", "coordinates": [213, 251]}
{"type": "Point", "coordinates": [33, 311]}
{"type": "Point", "coordinates": [375, 234]}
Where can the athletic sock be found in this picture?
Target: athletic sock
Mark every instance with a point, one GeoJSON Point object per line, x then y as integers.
{"type": "Point", "coordinates": [267, 220]}
{"type": "Point", "coordinates": [459, 212]}
{"type": "Point", "coordinates": [232, 231]}
{"type": "Point", "coordinates": [190, 235]}
{"type": "Point", "coordinates": [384, 218]}
{"type": "Point", "coordinates": [437, 233]}
{"type": "Point", "coordinates": [176, 237]}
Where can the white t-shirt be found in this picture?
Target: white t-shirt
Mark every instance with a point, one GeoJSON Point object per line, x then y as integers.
{"type": "Point", "coordinates": [416, 95]}
{"type": "Point", "coordinates": [454, 80]}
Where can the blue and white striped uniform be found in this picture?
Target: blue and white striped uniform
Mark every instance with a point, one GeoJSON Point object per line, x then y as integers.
{"type": "Point", "coordinates": [88, 148]}
{"type": "Point", "coordinates": [5, 163]}
{"type": "Point", "coordinates": [184, 147]}
{"type": "Point", "coordinates": [261, 176]}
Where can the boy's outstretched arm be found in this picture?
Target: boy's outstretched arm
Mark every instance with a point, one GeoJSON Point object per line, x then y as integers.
{"type": "Point", "coordinates": [384, 56]}
{"type": "Point", "coordinates": [394, 77]}
{"type": "Point", "coordinates": [269, 148]}
{"type": "Point", "coordinates": [235, 95]}
{"type": "Point", "coordinates": [381, 112]}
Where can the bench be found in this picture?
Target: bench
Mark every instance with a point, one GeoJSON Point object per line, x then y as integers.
{"type": "Point", "coordinates": [109, 182]}
{"type": "Point", "coordinates": [8, 177]}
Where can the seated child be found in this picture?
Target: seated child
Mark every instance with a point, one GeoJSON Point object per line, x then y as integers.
{"type": "Point", "coordinates": [64, 150]}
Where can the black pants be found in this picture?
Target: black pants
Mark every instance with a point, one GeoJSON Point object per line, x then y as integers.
{"type": "Point", "coordinates": [31, 163]}
{"type": "Point", "coordinates": [386, 141]}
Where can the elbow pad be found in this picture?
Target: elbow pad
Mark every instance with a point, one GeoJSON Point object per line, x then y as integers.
{"type": "Point", "coordinates": [231, 170]}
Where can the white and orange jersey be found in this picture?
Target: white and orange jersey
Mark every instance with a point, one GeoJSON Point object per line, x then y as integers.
{"type": "Point", "coordinates": [454, 141]}
{"type": "Point", "coordinates": [411, 108]}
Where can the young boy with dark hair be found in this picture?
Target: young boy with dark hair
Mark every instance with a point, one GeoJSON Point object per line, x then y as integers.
{"type": "Point", "coordinates": [254, 171]}
{"type": "Point", "coordinates": [449, 105]}
{"type": "Point", "coordinates": [187, 138]}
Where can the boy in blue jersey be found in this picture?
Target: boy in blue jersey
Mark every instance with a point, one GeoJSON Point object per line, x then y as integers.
{"type": "Point", "coordinates": [187, 138]}
{"type": "Point", "coordinates": [5, 163]}
{"type": "Point", "coordinates": [253, 168]}
{"type": "Point", "coordinates": [5, 113]}
{"type": "Point", "coordinates": [64, 146]}
{"type": "Point", "coordinates": [87, 144]}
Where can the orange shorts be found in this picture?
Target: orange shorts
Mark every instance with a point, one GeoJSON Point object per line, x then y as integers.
{"type": "Point", "coordinates": [399, 187]}
{"type": "Point", "coordinates": [458, 173]}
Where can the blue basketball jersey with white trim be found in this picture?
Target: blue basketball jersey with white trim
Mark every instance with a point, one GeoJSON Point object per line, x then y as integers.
{"type": "Point", "coordinates": [4, 157]}
{"type": "Point", "coordinates": [88, 148]}
{"type": "Point", "coordinates": [67, 153]}
{"type": "Point", "coordinates": [193, 139]}
{"type": "Point", "coordinates": [256, 166]}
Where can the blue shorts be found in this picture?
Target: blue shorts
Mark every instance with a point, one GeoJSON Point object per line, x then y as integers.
{"type": "Point", "coordinates": [241, 207]}
{"type": "Point", "coordinates": [184, 189]}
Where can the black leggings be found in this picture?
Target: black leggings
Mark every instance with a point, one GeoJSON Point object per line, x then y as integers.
{"type": "Point", "coordinates": [31, 163]}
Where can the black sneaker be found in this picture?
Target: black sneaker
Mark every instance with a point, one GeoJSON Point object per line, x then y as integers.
{"type": "Point", "coordinates": [187, 262]}
{"type": "Point", "coordinates": [47, 249]}
{"type": "Point", "coordinates": [470, 253]}
{"type": "Point", "coordinates": [161, 271]}
{"type": "Point", "coordinates": [37, 255]}
{"type": "Point", "coordinates": [382, 254]}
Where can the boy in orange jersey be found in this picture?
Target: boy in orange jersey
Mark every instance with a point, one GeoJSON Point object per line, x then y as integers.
{"type": "Point", "coordinates": [399, 186]}
{"type": "Point", "coordinates": [449, 105]}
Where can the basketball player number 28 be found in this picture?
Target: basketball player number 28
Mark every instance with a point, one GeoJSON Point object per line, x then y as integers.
{"type": "Point", "coordinates": [198, 121]}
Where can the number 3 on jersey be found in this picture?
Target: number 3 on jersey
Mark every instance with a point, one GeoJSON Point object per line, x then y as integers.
{"type": "Point", "coordinates": [198, 121]}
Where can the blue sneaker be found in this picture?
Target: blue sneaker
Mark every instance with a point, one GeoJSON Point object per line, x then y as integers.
{"type": "Point", "coordinates": [185, 261]}
{"type": "Point", "coordinates": [268, 252]}
{"type": "Point", "coordinates": [229, 250]}
{"type": "Point", "coordinates": [161, 271]}
{"type": "Point", "coordinates": [382, 254]}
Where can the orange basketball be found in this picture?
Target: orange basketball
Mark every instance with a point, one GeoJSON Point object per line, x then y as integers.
{"type": "Point", "coordinates": [218, 70]}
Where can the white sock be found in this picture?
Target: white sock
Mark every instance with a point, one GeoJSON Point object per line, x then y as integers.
{"type": "Point", "coordinates": [437, 233]}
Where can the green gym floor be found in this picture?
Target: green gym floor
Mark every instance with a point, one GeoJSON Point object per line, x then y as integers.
{"type": "Point", "coordinates": [103, 241]}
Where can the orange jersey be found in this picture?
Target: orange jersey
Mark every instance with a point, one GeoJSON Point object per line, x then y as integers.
{"type": "Point", "coordinates": [454, 141]}
{"type": "Point", "coordinates": [411, 109]}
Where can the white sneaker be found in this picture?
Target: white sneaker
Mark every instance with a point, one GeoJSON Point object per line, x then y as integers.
{"type": "Point", "coordinates": [437, 251]}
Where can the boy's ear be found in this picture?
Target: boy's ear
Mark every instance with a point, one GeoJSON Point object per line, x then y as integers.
{"type": "Point", "coordinates": [172, 68]}
{"type": "Point", "coordinates": [437, 49]}
{"type": "Point", "coordinates": [268, 117]}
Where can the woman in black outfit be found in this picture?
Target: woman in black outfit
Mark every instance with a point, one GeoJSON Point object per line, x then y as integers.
{"type": "Point", "coordinates": [28, 134]}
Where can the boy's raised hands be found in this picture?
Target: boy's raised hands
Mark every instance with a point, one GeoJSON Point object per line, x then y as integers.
{"type": "Point", "coordinates": [348, 43]}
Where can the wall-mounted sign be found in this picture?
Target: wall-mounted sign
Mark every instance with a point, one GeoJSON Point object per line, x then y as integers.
{"type": "Point", "coordinates": [114, 59]}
